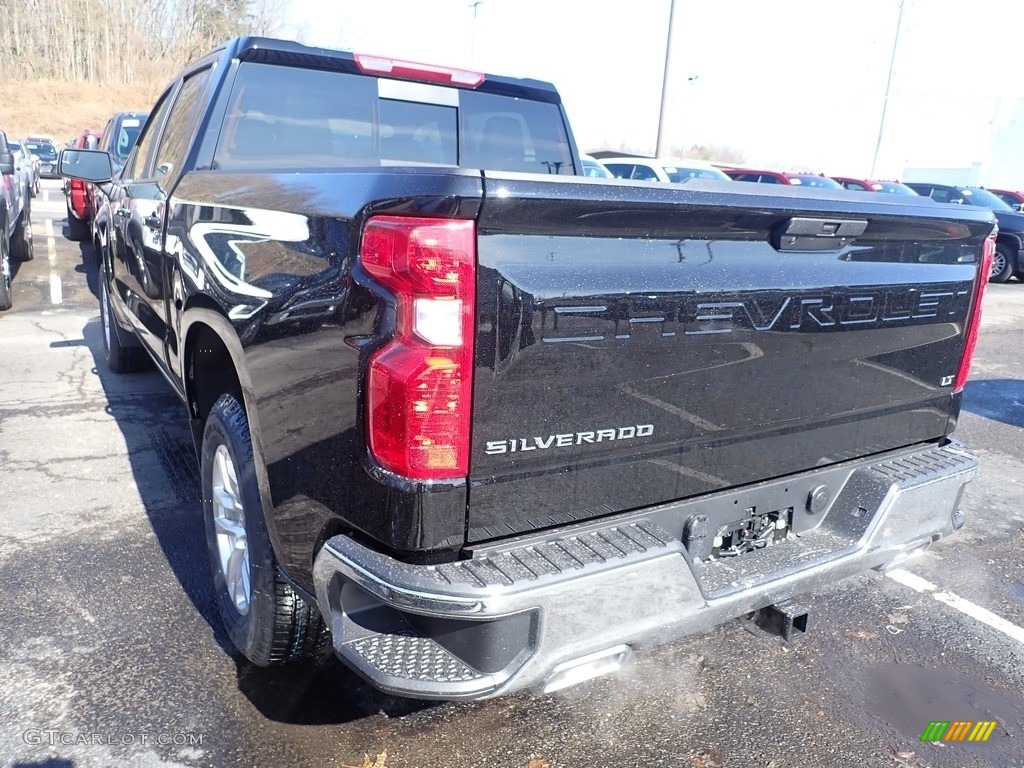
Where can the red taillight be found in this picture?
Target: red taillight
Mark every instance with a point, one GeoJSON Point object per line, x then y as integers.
{"type": "Point", "coordinates": [77, 185]}
{"type": "Point", "coordinates": [974, 321]}
{"type": "Point", "coordinates": [383, 65]}
{"type": "Point", "coordinates": [419, 394]}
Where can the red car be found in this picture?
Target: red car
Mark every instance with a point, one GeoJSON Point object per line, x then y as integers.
{"type": "Point", "coordinates": [857, 185]}
{"type": "Point", "coordinates": [780, 177]}
{"type": "Point", "coordinates": [1011, 197]}
{"type": "Point", "coordinates": [79, 201]}
{"type": "Point", "coordinates": [874, 185]}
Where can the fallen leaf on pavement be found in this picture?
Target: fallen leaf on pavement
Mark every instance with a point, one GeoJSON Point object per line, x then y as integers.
{"type": "Point", "coordinates": [380, 761]}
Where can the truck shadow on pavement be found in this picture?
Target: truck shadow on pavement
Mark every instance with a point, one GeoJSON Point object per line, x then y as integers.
{"type": "Point", "coordinates": [153, 423]}
{"type": "Point", "coordinates": [996, 399]}
{"type": "Point", "coordinates": [89, 269]}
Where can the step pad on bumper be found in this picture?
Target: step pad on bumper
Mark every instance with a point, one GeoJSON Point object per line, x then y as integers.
{"type": "Point", "coordinates": [553, 558]}
{"type": "Point", "coordinates": [406, 655]}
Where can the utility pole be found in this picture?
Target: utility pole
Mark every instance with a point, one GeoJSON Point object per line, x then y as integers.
{"type": "Point", "coordinates": [888, 85]}
{"type": "Point", "coordinates": [661, 149]}
{"type": "Point", "coordinates": [472, 51]}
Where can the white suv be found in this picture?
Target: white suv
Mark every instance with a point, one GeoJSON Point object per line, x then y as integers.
{"type": "Point", "coordinates": [670, 170]}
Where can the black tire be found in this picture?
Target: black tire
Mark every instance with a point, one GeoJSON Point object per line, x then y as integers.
{"type": "Point", "coordinates": [277, 626]}
{"type": "Point", "coordinates": [77, 229]}
{"type": "Point", "coordinates": [120, 356]}
{"type": "Point", "coordinates": [22, 246]}
{"type": "Point", "coordinates": [5, 271]}
{"type": "Point", "coordinates": [1002, 264]}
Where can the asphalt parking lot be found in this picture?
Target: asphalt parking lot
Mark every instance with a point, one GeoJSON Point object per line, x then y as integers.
{"type": "Point", "coordinates": [111, 653]}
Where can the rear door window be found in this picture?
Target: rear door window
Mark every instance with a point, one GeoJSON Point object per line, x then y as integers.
{"type": "Point", "coordinates": [177, 133]}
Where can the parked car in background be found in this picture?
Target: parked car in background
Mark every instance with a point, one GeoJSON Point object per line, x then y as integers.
{"type": "Point", "coordinates": [78, 198]}
{"type": "Point", "coordinates": [873, 185]}
{"type": "Point", "coordinates": [118, 140]}
{"type": "Point", "coordinates": [783, 177]}
{"type": "Point", "coordinates": [667, 170]}
{"type": "Point", "coordinates": [1008, 259]}
{"type": "Point", "coordinates": [47, 154]}
{"type": "Point", "coordinates": [761, 177]}
{"type": "Point", "coordinates": [854, 185]}
{"type": "Point", "coordinates": [15, 221]}
{"type": "Point", "coordinates": [120, 134]}
{"type": "Point", "coordinates": [26, 165]}
{"type": "Point", "coordinates": [1013, 198]}
{"type": "Point", "coordinates": [892, 187]}
{"type": "Point", "coordinates": [818, 180]}
{"type": "Point", "coordinates": [592, 167]}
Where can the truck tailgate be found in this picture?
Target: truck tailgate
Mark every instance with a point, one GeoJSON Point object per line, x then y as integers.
{"type": "Point", "coordinates": [641, 343]}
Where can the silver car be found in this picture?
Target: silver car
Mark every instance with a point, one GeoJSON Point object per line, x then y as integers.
{"type": "Point", "coordinates": [26, 166]}
{"type": "Point", "coordinates": [46, 154]}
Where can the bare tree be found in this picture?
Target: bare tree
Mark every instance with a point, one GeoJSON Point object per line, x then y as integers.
{"type": "Point", "coordinates": [122, 41]}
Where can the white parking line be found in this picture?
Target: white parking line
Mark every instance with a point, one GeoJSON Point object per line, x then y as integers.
{"type": "Point", "coordinates": [56, 289]}
{"type": "Point", "coordinates": [966, 607]}
{"type": "Point", "coordinates": [46, 195]}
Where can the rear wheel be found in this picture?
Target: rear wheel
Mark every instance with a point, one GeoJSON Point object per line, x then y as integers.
{"type": "Point", "coordinates": [1002, 264]}
{"type": "Point", "coordinates": [5, 271]}
{"type": "Point", "coordinates": [265, 619]}
{"type": "Point", "coordinates": [77, 229]}
{"type": "Point", "coordinates": [22, 247]}
{"type": "Point", "coordinates": [120, 357]}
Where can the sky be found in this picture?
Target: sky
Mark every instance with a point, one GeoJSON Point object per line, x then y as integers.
{"type": "Point", "coordinates": [789, 84]}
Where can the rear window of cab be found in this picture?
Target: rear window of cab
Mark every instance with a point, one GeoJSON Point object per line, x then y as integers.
{"type": "Point", "coordinates": [281, 118]}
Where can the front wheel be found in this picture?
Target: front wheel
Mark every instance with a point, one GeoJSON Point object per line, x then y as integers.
{"type": "Point", "coordinates": [5, 272]}
{"type": "Point", "coordinates": [1002, 264]}
{"type": "Point", "coordinates": [265, 619]}
{"type": "Point", "coordinates": [120, 357]}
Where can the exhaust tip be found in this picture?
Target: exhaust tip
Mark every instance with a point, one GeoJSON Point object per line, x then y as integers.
{"type": "Point", "coordinates": [587, 667]}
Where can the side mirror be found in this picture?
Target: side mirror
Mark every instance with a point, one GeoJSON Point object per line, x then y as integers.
{"type": "Point", "coordinates": [6, 163]}
{"type": "Point", "coordinates": [86, 164]}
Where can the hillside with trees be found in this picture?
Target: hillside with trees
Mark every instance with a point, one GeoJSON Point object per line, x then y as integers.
{"type": "Point", "coordinates": [67, 65]}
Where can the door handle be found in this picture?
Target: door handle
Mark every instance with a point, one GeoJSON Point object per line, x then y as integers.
{"type": "Point", "coordinates": [152, 221]}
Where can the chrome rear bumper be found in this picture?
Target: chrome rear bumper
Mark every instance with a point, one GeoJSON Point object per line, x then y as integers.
{"type": "Point", "coordinates": [524, 613]}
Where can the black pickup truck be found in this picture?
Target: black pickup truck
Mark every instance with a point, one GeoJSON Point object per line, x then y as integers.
{"type": "Point", "coordinates": [15, 220]}
{"type": "Point", "coordinates": [488, 424]}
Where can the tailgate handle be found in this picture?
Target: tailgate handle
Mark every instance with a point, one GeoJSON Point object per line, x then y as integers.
{"type": "Point", "coordinates": [803, 233]}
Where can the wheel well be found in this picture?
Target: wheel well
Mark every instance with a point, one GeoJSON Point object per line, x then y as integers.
{"type": "Point", "coordinates": [211, 371]}
{"type": "Point", "coordinates": [1013, 241]}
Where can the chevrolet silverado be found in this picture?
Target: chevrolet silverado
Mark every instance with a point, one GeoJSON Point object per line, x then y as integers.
{"type": "Point", "coordinates": [484, 423]}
